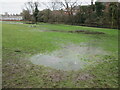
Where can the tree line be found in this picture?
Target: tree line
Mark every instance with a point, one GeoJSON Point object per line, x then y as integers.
{"type": "Point", "coordinates": [100, 14]}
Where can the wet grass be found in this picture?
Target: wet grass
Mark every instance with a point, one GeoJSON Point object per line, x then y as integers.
{"type": "Point", "coordinates": [27, 40]}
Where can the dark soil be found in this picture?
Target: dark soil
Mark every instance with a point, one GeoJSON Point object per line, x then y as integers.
{"type": "Point", "coordinates": [80, 31]}
{"type": "Point", "coordinates": [17, 51]}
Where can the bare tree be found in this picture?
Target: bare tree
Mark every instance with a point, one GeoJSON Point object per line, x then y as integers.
{"type": "Point", "coordinates": [29, 6]}
{"type": "Point", "coordinates": [53, 5]}
{"type": "Point", "coordinates": [32, 8]}
{"type": "Point", "coordinates": [69, 5]}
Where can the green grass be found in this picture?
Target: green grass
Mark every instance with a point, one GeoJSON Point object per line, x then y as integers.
{"type": "Point", "coordinates": [20, 72]}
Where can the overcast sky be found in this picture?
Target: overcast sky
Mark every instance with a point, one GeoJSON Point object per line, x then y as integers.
{"type": "Point", "coordinates": [16, 6]}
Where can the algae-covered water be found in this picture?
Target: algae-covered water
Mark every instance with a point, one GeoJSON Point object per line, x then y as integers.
{"type": "Point", "coordinates": [70, 57]}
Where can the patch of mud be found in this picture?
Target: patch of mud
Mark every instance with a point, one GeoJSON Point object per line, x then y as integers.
{"type": "Point", "coordinates": [56, 76]}
{"type": "Point", "coordinates": [86, 32]}
{"type": "Point", "coordinates": [76, 31]}
{"type": "Point", "coordinates": [83, 77]}
{"type": "Point", "coordinates": [70, 57]}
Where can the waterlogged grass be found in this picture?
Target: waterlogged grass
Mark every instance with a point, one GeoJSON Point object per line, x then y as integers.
{"type": "Point", "coordinates": [21, 41]}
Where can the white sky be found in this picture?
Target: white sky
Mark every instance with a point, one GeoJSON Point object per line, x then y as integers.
{"type": "Point", "coordinates": [16, 6]}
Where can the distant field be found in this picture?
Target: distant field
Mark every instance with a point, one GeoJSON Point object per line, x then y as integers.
{"type": "Point", "coordinates": [22, 41]}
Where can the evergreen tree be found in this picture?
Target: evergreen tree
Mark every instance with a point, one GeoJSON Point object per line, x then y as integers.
{"type": "Point", "coordinates": [98, 8]}
{"type": "Point", "coordinates": [35, 14]}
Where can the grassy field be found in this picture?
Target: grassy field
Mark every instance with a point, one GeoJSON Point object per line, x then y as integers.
{"type": "Point", "coordinates": [21, 41]}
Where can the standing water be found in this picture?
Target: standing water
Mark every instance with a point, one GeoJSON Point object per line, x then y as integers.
{"type": "Point", "coordinates": [71, 57]}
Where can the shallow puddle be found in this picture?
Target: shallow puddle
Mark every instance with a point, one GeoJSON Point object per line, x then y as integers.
{"type": "Point", "coordinates": [70, 57]}
{"type": "Point", "coordinates": [13, 22]}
